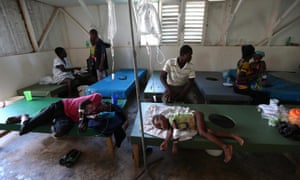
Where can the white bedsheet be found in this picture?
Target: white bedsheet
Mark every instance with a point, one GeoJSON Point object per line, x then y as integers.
{"type": "Point", "coordinates": [166, 111]}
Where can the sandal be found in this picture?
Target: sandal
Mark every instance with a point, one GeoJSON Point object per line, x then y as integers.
{"type": "Point", "coordinates": [70, 158]}
{"type": "Point", "coordinates": [17, 119]}
{"type": "Point", "coordinates": [13, 120]}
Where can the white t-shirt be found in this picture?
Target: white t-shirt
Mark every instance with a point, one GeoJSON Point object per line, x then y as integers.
{"type": "Point", "coordinates": [178, 76]}
{"type": "Point", "coordinates": [58, 75]}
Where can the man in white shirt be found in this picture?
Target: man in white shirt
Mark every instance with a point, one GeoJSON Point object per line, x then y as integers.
{"type": "Point", "coordinates": [62, 69]}
{"type": "Point", "coordinates": [178, 77]}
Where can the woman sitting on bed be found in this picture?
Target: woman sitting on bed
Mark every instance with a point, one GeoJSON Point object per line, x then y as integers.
{"type": "Point", "coordinates": [195, 121]}
{"type": "Point", "coordinates": [244, 77]}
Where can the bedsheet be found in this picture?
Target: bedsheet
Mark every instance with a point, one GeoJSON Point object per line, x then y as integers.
{"type": "Point", "coordinates": [282, 89]}
{"type": "Point", "coordinates": [211, 86]}
{"type": "Point", "coordinates": [122, 85]}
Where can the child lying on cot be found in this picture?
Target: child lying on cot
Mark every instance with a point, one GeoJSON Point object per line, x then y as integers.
{"type": "Point", "coordinates": [195, 121]}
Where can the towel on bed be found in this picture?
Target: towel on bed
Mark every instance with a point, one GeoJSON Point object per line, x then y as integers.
{"type": "Point", "coordinates": [166, 111]}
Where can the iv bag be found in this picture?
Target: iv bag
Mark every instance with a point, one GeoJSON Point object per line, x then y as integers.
{"type": "Point", "coordinates": [112, 25]}
{"type": "Point", "coordinates": [147, 19]}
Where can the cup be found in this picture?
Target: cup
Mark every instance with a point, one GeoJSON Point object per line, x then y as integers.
{"type": "Point", "coordinates": [28, 95]}
{"type": "Point", "coordinates": [114, 99]}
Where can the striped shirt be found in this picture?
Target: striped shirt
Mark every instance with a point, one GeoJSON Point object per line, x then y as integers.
{"type": "Point", "coordinates": [242, 70]}
{"type": "Point", "coordinates": [178, 76]}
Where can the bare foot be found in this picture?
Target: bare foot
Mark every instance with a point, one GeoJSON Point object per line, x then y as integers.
{"type": "Point", "coordinates": [239, 139]}
{"type": "Point", "coordinates": [228, 153]}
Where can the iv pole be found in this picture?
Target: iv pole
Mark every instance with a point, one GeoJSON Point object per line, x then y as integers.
{"type": "Point", "coordinates": [137, 86]}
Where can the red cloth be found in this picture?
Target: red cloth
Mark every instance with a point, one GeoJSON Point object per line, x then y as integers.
{"type": "Point", "coordinates": [71, 105]}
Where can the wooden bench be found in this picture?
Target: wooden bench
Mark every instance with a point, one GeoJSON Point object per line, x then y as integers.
{"type": "Point", "coordinates": [154, 88]}
{"type": "Point", "coordinates": [257, 134]}
{"type": "Point", "coordinates": [33, 107]}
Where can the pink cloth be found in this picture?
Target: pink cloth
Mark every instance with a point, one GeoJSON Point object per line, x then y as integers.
{"type": "Point", "coordinates": [71, 105]}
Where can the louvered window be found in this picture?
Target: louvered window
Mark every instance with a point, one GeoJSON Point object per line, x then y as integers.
{"type": "Point", "coordinates": [185, 23]}
{"type": "Point", "coordinates": [194, 21]}
{"type": "Point", "coordinates": [169, 23]}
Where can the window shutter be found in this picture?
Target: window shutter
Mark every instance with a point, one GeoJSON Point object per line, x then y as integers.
{"type": "Point", "coordinates": [169, 23]}
{"type": "Point", "coordinates": [194, 21]}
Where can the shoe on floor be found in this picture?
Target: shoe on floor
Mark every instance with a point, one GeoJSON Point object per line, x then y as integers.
{"type": "Point", "coordinates": [70, 158]}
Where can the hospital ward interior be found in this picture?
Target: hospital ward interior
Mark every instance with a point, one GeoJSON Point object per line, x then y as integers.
{"type": "Point", "coordinates": [149, 89]}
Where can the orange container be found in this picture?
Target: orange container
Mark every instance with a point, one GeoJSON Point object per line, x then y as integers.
{"type": "Point", "coordinates": [294, 116]}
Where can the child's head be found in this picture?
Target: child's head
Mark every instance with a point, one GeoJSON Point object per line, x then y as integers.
{"type": "Point", "coordinates": [258, 55]}
{"type": "Point", "coordinates": [247, 51]}
{"type": "Point", "coordinates": [160, 121]}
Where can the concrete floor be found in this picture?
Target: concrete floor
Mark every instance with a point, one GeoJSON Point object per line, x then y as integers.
{"type": "Point", "coordinates": [35, 156]}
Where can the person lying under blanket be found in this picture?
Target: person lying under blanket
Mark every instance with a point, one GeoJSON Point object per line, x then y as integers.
{"type": "Point", "coordinates": [194, 120]}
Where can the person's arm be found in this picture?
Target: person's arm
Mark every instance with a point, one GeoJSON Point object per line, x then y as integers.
{"type": "Point", "coordinates": [64, 69]}
{"type": "Point", "coordinates": [100, 55]}
{"type": "Point", "coordinates": [107, 45]}
{"type": "Point", "coordinates": [186, 89]}
{"type": "Point", "coordinates": [82, 126]}
{"type": "Point", "coordinates": [164, 144]}
{"type": "Point", "coordinates": [163, 79]}
{"type": "Point", "coordinates": [263, 66]}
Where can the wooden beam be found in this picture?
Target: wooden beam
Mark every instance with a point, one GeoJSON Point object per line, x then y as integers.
{"type": "Point", "coordinates": [230, 19]}
{"type": "Point", "coordinates": [74, 21]}
{"type": "Point", "coordinates": [29, 26]}
{"type": "Point", "coordinates": [48, 28]}
{"type": "Point", "coordinates": [87, 12]}
{"type": "Point", "coordinates": [284, 15]}
{"type": "Point", "coordinates": [275, 33]}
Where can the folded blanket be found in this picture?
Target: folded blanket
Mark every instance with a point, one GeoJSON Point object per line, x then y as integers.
{"type": "Point", "coordinates": [166, 111]}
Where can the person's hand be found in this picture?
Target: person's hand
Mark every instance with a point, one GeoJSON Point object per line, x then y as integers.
{"type": "Point", "coordinates": [82, 126]}
{"type": "Point", "coordinates": [164, 146]}
{"type": "Point", "coordinates": [168, 96]}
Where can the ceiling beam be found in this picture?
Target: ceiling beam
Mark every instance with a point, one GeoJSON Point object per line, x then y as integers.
{"type": "Point", "coordinates": [29, 26]}
{"type": "Point", "coordinates": [87, 12]}
{"type": "Point", "coordinates": [275, 33]}
{"type": "Point", "coordinates": [284, 15]}
{"type": "Point", "coordinates": [74, 21]}
{"type": "Point", "coordinates": [229, 19]}
{"type": "Point", "coordinates": [48, 28]}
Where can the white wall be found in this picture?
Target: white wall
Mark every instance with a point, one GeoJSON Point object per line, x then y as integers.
{"type": "Point", "coordinates": [23, 70]}
{"type": "Point", "coordinates": [250, 27]}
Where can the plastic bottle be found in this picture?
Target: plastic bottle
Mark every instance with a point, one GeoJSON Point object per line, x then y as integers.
{"type": "Point", "coordinates": [288, 41]}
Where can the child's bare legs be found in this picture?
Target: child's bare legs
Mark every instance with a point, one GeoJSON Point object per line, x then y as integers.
{"type": "Point", "coordinates": [205, 132]}
{"type": "Point", "coordinates": [228, 135]}
{"type": "Point", "coordinates": [164, 146]}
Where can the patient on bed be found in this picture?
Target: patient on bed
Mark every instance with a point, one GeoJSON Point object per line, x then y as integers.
{"type": "Point", "coordinates": [195, 120]}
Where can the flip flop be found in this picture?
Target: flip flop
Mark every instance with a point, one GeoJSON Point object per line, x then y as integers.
{"type": "Point", "coordinates": [70, 158]}
{"type": "Point", "coordinates": [13, 120]}
{"type": "Point", "coordinates": [17, 119]}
